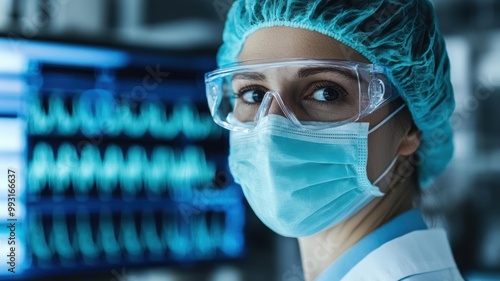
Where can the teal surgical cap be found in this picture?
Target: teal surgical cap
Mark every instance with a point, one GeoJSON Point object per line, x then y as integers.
{"type": "Point", "coordinates": [401, 35]}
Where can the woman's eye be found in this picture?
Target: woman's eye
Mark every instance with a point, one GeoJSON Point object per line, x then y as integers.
{"type": "Point", "coordinates": [253, 96]}
{"type": "Point", "coordinates": [327, 94]}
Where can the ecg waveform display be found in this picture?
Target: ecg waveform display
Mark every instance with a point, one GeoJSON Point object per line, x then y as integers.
{"type": "Point", "coordinates": [117, 179]}
{"type": "Point", "coordinates": [125, 235]}
{"type": "Point", "coordinates": [97, 112]}
{"type": "Point", "coordinates": [126, 172]}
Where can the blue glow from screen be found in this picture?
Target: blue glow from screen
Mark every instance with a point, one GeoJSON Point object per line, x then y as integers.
{"type": "Point", "coordinates": [165, 170]}
{"type": "Point", "coordinates": [145, 193]}
{"type": "Point", "coordinates": [117, 234]}
{"type": "Point", "coordinates": [64, 54]}
{"type": "Point", "coordinates": [113, 119]}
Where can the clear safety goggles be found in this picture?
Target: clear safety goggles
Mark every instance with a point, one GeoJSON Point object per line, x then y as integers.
{"type": "Point", "coordinates": [311, 93]}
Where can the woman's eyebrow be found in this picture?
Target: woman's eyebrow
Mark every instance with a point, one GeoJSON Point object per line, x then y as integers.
{"type": "Point", "coordinates": [249, 76]}
{"type": "Point", "coordinates": [308, 71]}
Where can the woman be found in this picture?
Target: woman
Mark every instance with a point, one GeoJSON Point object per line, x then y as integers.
{"type": "Point", "coordinates": [339, 114]}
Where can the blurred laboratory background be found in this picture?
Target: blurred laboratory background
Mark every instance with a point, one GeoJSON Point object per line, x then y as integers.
{"type": "Point", "coordinates": [122, 175]}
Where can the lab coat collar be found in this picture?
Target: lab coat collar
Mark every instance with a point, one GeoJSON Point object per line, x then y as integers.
{"type": "Point", "coordinates": [402, 224]}
{"type": "Point", "coordinates": [418, 255]}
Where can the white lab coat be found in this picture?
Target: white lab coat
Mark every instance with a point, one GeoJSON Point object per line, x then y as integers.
{"type": "Point", "coordinates": [422, 255]}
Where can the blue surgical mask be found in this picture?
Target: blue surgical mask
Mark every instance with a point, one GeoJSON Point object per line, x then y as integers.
{"type": "Point", "coordinates": [299, 181]}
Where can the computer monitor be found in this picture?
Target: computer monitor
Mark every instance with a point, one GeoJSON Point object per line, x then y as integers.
{"type": "Point", "coordinates": [110, 157]}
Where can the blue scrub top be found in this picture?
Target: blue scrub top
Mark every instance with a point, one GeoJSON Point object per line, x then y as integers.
{"type": "Point", "coordinates": [402, 224]}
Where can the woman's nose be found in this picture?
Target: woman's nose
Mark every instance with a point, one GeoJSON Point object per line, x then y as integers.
{"type": "Point", "coordinates": [275, 108]}
{"type": "Point", "coordinates": [273, 104]}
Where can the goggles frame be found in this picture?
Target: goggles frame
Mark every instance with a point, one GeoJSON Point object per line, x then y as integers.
{"type": "Point", "coordinates": [379, 92]}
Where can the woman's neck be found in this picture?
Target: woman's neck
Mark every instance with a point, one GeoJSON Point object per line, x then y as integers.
{"type": "Point", "coordinates": [320, 250]}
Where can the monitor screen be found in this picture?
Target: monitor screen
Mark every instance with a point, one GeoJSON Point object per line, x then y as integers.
{"type": "Point", "coordinates": [111, 157]}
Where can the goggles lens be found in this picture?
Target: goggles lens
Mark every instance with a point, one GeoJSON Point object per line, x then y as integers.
{"type": "Point", "coordinates": [306, 91]}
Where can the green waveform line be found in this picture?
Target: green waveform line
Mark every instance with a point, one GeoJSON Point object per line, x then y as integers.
{"type": "Point", "coordinates": [104, 116]}
{"type": "Point", "coordinates": [167, 170]}
{"type": "Point", "coordinates": [60, 237]}
{"type": "Point", "coordinates": [204, 247]}
{"type": "Point", "coordinates": [149, 230]}
{"type": "Point", "coordinates": [112, 247]}
{"type": "Point", "coordinates": [89, 246]}
{"type": "Point", "coordinates": [177, 237]}
{"type": "Point", "coordinates": [39, 245]}
{"type": "Point", "coordinates": [172, 235]}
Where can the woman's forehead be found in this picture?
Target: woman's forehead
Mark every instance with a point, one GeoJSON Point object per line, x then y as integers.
{"type": "Point", "coordinates": [287, 42]}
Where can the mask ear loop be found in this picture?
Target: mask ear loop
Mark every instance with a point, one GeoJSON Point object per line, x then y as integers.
{"type": "Point", "coordinates": [386, 119]}
{"type": "Point", "coordinates": [384, 173]}
{"type": "Point", "coordinates": [391, 165]}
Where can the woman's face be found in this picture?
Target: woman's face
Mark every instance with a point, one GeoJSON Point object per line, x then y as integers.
{"type": "Point", "coordinates": [292, 43]}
